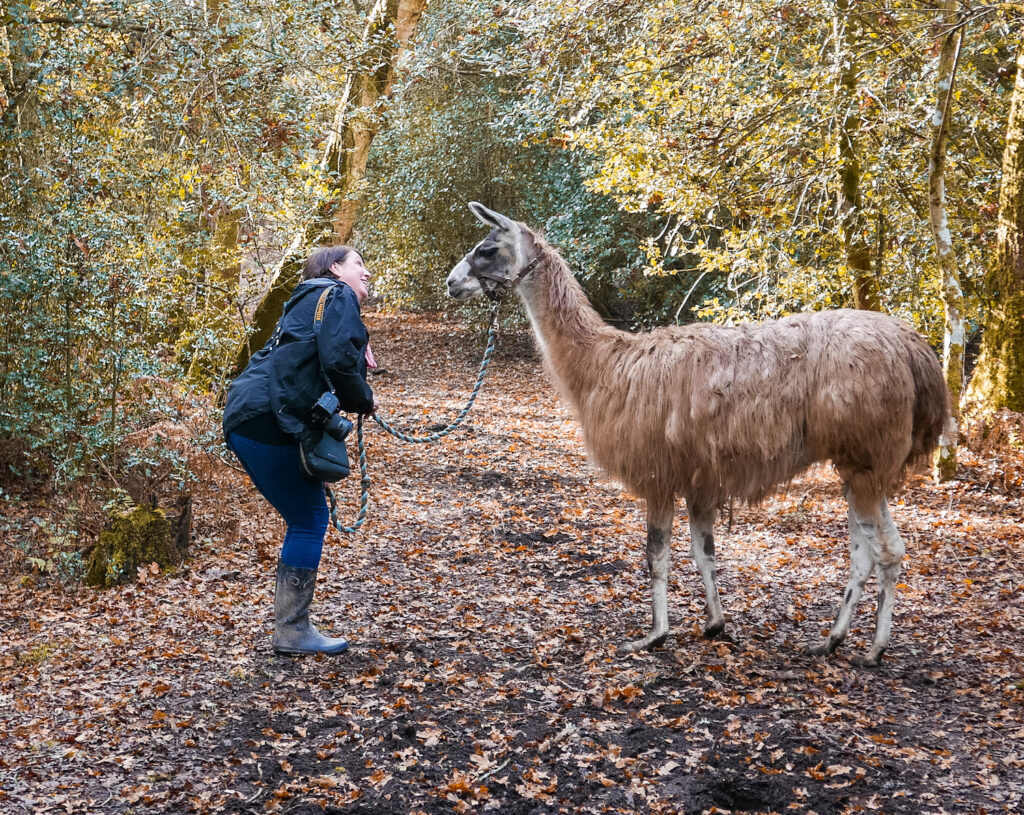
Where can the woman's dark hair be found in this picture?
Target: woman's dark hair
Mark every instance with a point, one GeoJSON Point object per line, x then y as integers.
{"type": "Point", "coordinates": [320, 262]}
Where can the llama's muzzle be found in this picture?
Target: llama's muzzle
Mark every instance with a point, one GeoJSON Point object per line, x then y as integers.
{"type": "Point", "coordinates": [462, 285]}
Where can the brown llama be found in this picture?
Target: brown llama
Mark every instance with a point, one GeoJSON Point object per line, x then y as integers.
{"type": "Point", "coordinates": [709, 413]}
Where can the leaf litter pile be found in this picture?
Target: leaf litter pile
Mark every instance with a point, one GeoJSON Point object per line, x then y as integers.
{"type": "Point", "coordinates": [484, 599]}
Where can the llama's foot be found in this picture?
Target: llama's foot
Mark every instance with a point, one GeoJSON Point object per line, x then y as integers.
{"type": "Point", "coordinates": [824, 649]}
{"type": "Point", "coordinates": [716, 631]}
{"type": "Point", "coordinates": [872, 659]}
{"type": "Point", "coordinates": [652, 640]}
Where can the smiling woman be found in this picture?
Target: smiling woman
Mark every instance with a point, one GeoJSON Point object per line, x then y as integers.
{"type": "Point", "coordinates": [269, 410]}
{"type": "Point", "coordinates": [341, 263]}
{"type": "Point", "coordinates": [353, 273]}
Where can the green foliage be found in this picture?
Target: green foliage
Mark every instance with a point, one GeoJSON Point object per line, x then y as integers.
{"type": "Point", "coordinates": [458, 132]}
{"type": "Point", "coordinates": [725, 120]}
{"type": "Point", "coordinates": [682, 156]}
{"type": "Point", "coordinates": [685, 158]}
{"type": "Point", "coordinates": [57, 551]}
{"type": "Point", "coordinates": [153, 155]}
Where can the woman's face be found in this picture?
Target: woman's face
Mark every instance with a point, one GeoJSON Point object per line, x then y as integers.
{"type": "Point", "coordinates": [352, 272]}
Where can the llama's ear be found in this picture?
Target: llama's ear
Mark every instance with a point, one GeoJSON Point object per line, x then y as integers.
{"type": "Point", "coordinates": [492, 218]}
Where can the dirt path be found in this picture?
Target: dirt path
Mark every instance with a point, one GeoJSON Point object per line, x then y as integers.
{"type": "Point", "coordinates": [484, 599]}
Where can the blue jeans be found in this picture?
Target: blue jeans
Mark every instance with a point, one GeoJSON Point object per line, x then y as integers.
{"type": "Point", "coordinates": [277, 473]}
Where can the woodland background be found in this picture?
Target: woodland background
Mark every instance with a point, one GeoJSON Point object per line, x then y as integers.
{"type": "Point", "coordinates": [167, 165]}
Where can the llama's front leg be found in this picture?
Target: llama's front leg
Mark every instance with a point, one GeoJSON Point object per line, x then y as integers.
{"type": "Point", "coordinates": [702, 545]}
{"type": "Point", "coordinates": [659, 555]}
{"type": "Point", "coordinates": [888, 561]}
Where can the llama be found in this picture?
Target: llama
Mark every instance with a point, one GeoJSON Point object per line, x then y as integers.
{"type": "Point", "coordinates": [710, 413]}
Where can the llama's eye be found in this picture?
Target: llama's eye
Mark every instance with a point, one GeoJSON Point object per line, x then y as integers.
{"type": "Point", "coordinates": [489, 252]}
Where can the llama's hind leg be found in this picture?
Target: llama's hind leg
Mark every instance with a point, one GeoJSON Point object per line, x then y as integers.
{"type": "Point", "coordinates": [659, 555]}
{"type": "Point", "coordinates": [874, 543]}
{"type": "Point", "coordinates": [887, 561]}
{"type": "Point", "coordinates": [702, 546]}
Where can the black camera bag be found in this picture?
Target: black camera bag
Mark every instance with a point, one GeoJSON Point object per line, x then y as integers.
{"type": "Point", "coordinates": [323, 452]}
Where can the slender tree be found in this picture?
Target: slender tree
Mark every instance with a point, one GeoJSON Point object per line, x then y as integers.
{"type": "Point", "coordinates": [390, 26]}
{"type": "Point", "coordinates": [952, 294]}
{"type": "Point", "coordinates": [849, 37]}
{"type": "Point", "coordinates": [998, 380]}
{"type": "Point", "coordinates": [6, 69]}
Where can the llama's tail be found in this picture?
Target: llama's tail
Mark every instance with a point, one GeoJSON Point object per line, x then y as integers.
{"type": "Point", "coordinates": [931, 401]}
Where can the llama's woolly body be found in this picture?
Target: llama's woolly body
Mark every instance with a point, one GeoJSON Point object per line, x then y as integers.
{"type": "Point", "coordinates": [711, 412]}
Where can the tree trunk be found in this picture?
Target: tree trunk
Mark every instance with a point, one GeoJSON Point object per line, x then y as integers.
{"type": "Point", "coordinates": [998, 380]}
{"type": "Point", "coordinates": [6, 69]}
{"type": "Point", "coordinates": [210, 348]}
{"type": "Point", "coordinates": [209, 342]}
{"type": "Point", "coordinates": [849, 206]}
{"type": "Point", "coordinates": [952, 294]}
{"type": "Point", "coordinates": [390, 25]}
{"type": "Point", "coordinates": [358, 119]}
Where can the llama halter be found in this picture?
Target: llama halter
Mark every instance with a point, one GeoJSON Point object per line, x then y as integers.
{"type": "Point", "coordinates": [503, 285]}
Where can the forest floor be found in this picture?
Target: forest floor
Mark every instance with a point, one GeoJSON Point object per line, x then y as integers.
{"type": "Point", "coordinates": [484, 599]}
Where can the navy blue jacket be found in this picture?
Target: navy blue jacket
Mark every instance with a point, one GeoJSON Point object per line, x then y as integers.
{"type": "Point", "coordinates": [285, 378]}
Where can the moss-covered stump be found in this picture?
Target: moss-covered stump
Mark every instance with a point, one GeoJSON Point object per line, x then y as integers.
{"type": "Point", "coordinates": [138, 537]}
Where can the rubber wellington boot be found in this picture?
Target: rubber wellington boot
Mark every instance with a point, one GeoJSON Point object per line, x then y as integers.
{"type": "Point", "coordinates": [293, 633]}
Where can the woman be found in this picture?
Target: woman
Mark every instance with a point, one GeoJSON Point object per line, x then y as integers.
{"type": "Point", "coordinates": [267, 409]}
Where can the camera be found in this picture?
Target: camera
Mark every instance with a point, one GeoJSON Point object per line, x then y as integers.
{"type": "Point", "coordinates": [324, 416]}
{"type": "Point", "coordinates": [338, 427]}
{"type": "Point", "coordinates": [321, 412]}
{"type": "Point", "coordinates": [322, 443]}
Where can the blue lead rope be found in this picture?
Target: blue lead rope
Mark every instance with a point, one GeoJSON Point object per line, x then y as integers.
{"type": "Point", "coordinates": [364, 479]}
{"type": "Point", "coordinates": [364, 486]}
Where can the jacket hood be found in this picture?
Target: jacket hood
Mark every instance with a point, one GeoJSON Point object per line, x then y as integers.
{"type": "Point", "coordinates": [315, 283]}
{"type": "Point", "coordinates": [319, 283]}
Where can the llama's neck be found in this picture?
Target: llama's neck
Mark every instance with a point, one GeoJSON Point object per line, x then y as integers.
{"type": "Point", "coordinates": [566, 325]}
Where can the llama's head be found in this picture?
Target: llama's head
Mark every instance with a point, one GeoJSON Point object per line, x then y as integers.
{"type": "Point", "coordinates": [495, 264]}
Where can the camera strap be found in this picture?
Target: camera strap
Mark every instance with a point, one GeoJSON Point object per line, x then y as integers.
{"type": "Point", "coordinates": [318, 318]}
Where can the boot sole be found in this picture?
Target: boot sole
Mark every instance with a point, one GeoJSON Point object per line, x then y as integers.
{"type": "Point", "coordinates": [297, 652]}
